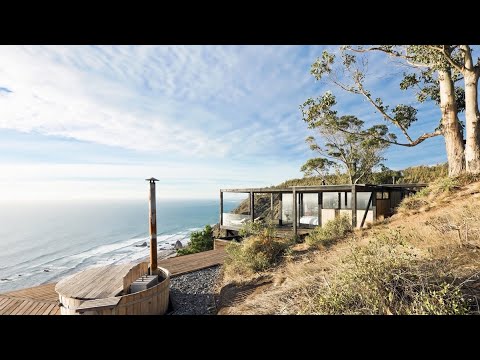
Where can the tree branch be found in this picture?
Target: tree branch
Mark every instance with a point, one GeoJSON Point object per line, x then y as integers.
{"type": "Point", "coordinates": [413, 143]}
{"type": "Point", "coordinates": [379, 109]}
{"type": "Point", "coordinates": [409, 59]}
{"type": "Point", "coordinates": [448, 57]}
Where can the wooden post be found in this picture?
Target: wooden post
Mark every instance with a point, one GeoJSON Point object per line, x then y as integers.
{"type": "Point", "coordinates": [221, 207]}
{"type": "Point", "coordinates": [294, 211]}
{"type": "Point", "coordinates": [320, 205]}
{"type": "Point", "coordinates": [271, 207]}
{"type": "Point", "coordinates": [354, 206]}
{"type": "Point", "coordinates": [300, 207]}
{"type": "Point", "coordinates": [281, 208]}
{"type": "Point", "coordinates": [252, 206]}
{"type": "Point", "coordinates": [153, 227]}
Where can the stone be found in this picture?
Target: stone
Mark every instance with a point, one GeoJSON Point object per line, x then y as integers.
{"type": "Point", "coordinates": [178, 245]}
{"type": "Point", "coordinates": [142, 245]}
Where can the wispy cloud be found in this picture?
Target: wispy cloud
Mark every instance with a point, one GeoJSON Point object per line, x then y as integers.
{"type": "Point", "coordinates": [213, 114]}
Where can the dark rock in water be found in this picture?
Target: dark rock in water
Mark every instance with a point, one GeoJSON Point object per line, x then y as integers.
{"type": "Point", "coordinates": [142, 245]}
{"type": "Point", "coordinates": [19, 274]}
{"type": "Point", "coordinates": [4, 279]}
{"type": "Point", "coordinates": [46, 270]}
{"type": "Point", "coordinates": [178, 245]}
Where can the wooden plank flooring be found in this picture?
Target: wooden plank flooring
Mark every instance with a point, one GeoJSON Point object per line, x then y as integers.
{"type": "Point", "coordinates": [94, 283]}
{"type": "Point", "coordinates": [184, 264]}
{"type": "Point", "coordinates": [38, 300]}
{"type": "Point", "coordinates": [43, 300]}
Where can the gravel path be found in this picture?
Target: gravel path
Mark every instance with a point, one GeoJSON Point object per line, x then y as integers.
{"type": "Point", "coordinates": [192, 293]}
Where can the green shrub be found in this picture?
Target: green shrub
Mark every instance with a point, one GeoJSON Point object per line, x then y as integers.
{"type": "Point", "coordinates": [385, 277]}
{"type": "Point", "coordinates": [255, 254]}
{"type": "Point", "coordinates": [257, 228]}
{"type": "Point", "coordinates": [412, 203]}
{"type": "Point", "coordinates": [201, 240]}
{"type": "Point", "coordinates": [444, 185]}
{"type": "Point", "coordinates": [331, 232]}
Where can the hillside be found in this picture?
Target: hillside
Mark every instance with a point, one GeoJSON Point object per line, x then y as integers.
{"type": "Point", "coordinates": [423, 260]}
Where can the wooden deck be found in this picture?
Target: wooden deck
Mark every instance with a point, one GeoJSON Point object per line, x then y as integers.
{"type": "Point", "coordinates": [95, 283]}
{"type": "Point", "coordinates": [38, 300]}
{"type": "Point", "coordinates": [43, 300]}
{"type": "Point", "coordinates": [184, 264]}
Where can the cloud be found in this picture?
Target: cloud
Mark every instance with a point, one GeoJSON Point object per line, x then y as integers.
{"type": "Point", "coordinates": [99, 118]}
{"type": "Point", "coordinates": [188, 99]}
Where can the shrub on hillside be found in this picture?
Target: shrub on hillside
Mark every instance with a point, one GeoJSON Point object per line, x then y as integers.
{"type": "Point", "coordinates": [385, 277]}
{"type": "Point", "coordinates": [257, 228]}
{"type": "Point", "coordinates": [424, 174]}
{"type": "Point", "coordinates": [330, 233]}
{"type": "Point", "coordinates": [201, 240]}
{"type": "Point", "coordinates": [443, 185]}
{"type": "Point", "coordinates": [412, 203]}
{"type": "Point", "coordinates": [255, 254]}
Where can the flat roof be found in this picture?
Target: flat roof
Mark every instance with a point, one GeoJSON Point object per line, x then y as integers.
{"type": "Point", "coordinates": [325, 188]}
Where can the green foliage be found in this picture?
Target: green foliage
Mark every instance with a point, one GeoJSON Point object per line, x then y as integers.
{"type": "Point", "coordinates": [201, 240]}
{"type": "Point", "coordinates": [255, 254]}
{"type": "Point", "coordinates": [347, 71]}
{"type": "Point", "coordinates": [385, 277]}
{"type": "Point", "coordinates": [424, 174]}
{"type": "Point", "coordinates": [318, 166]}
{"type": "Point", "coordinates": [345, 145]}
{"type": "Point", "coordinates": [436, 188]}
{"type": "Point", "coordinates": [412, 203]}
{"type": "Point", "coordinates": [444, 185]}
{"type": "Point", "coordinates": [330, 233]}
{"type": "Point", "coordinates": [257, 228]}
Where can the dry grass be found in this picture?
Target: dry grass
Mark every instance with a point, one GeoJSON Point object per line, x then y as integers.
{"type": "Point", "coordinates": [421, 261]}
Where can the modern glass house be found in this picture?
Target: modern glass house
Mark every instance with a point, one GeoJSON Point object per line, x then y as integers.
{"type": "Point", "coordinates": [301, 208]}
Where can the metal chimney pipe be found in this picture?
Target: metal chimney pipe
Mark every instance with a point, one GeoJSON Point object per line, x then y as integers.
{"type": "Point", "coordinates": [153, 227]}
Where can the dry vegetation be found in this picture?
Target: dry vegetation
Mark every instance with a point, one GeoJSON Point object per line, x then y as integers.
{"type": "Point", "coordinates": [423, 260]}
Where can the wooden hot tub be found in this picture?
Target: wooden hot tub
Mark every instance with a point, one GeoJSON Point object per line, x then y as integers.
{"type": "Point", "coordinates": [106, 291]}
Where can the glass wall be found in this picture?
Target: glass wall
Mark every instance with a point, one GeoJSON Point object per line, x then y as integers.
{"type": "Point", "coordinates": [330, 200]}
{"type": "Point", "coordinates": [287, 209]}
{"type": "Point", "coordinates": [345, 200]}
{"type": "Point", "coordinates": [362, 200]}
{"type": "Point", "coordinates": [309, 215]}
{"type": "Point", "coordinates": [236, 209]}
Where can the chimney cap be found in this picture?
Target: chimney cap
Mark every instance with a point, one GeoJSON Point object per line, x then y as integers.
{"type": "Point", "coordinates": [152, 179]}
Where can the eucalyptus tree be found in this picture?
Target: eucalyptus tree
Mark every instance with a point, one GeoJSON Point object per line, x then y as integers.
{"type": "Point", "coordinates": [460, 58]}
{"type": "Point", "coordinates": [344, 146]}
{"type": "Point", "coordinates": [429, 72]}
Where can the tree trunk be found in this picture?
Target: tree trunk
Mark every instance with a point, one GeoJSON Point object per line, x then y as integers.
{"type": "Point", "coordinates": [450, 125]}
{"type": "Point", "coordinates": [472, 116]}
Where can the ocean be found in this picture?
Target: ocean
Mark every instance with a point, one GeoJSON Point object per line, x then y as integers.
{"type": "Point", "coordinates": [43, 242]}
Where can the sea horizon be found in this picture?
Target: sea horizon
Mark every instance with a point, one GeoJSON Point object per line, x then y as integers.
{"type": "Point", "coordinates": [44, 241]}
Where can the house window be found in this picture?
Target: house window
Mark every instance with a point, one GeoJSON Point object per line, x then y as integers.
{"type": "Point", "coordinates": [362, 200]}
{"type": "Point", "coordinates": [345, 200]}
{"type": "Point", "coordinates": [385, 195]}
{"type": "Point", "coordinates": [330, 200]}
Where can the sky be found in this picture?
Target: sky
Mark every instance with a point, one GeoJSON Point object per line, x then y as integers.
{"type": "Point", "coordinates": [92, 122]}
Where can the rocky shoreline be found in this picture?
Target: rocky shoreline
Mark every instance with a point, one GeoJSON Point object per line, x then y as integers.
{"type": "Point", "coordinates": [193, 293]}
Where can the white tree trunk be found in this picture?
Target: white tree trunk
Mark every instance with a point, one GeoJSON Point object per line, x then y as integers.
{"type": "Point", "coordinates": [451, 126]}
{"type": "Point", "coordinates": [472, 116]}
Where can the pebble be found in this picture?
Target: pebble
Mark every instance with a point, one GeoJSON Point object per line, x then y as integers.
{"type": "Point", "coordinates": [192, 293]}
